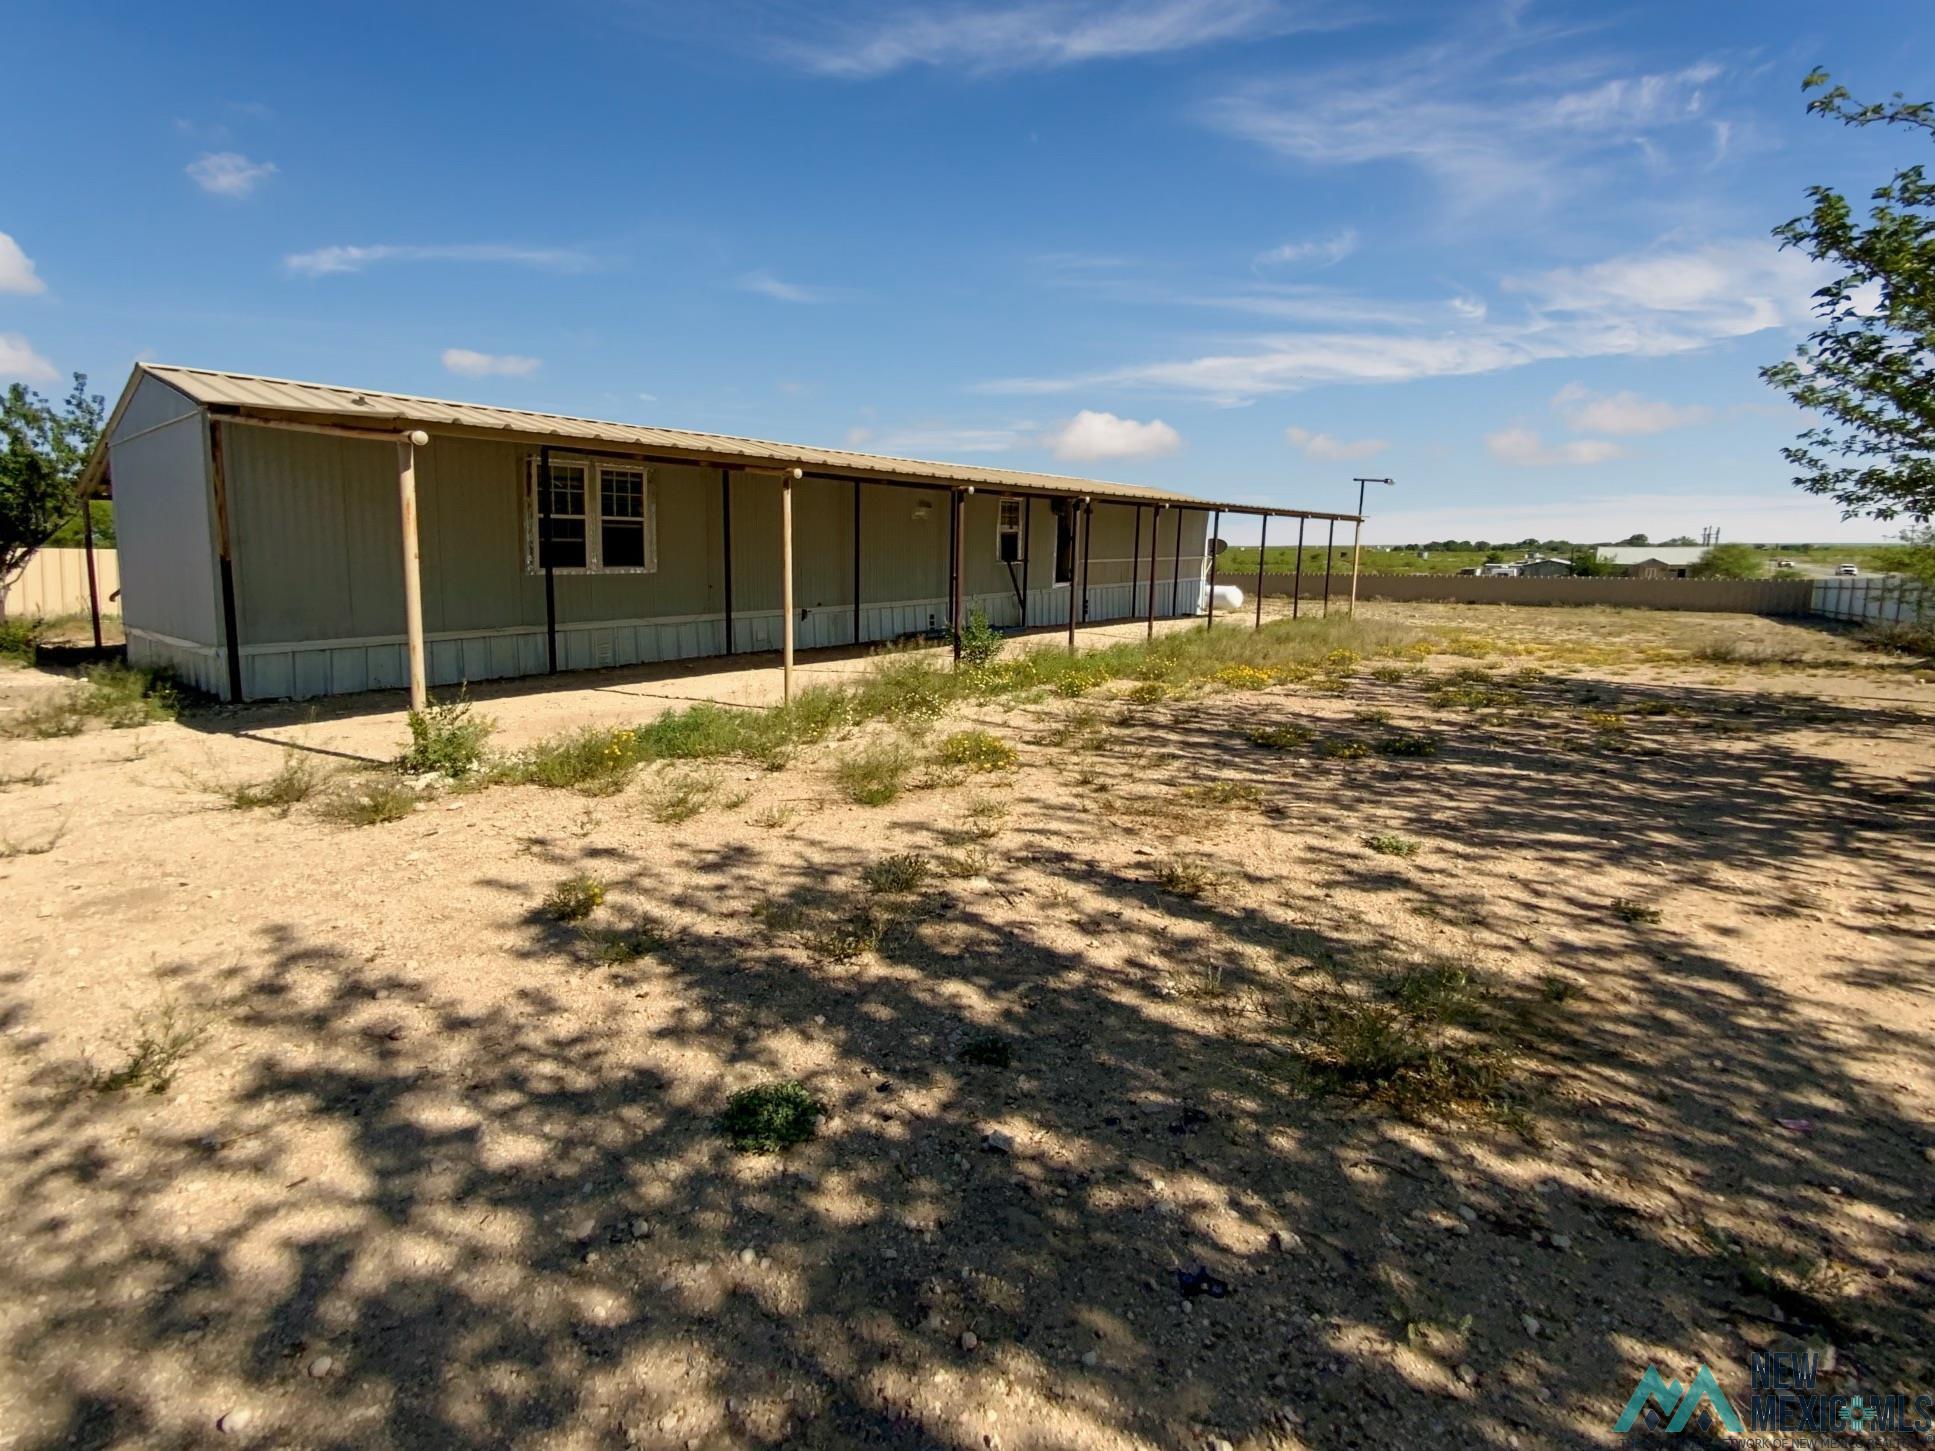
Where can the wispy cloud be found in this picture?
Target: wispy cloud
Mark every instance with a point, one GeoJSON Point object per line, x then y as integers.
{"type": "Point", "coordinates": [1488, 116]}
{"type": "Point", "coordinates": [1330, 449]}
{"type": "Point", "coordinates": [327, 261]}
{"type": "Point", "coordinates": [228, 173]}
{"type": "Point", "coordinates": [471, 364]}
{"type": "Point", "coordinates": [1523, 448]}
{"type": "Point", "coordinates": [1651, 303]}
{"type": "Point", "coordinates": [20, 362]}
{"type": "Point", "coordinates": [1091, 435]}
{"type": "Point", "coordinates": [17, 269]}
{"type": "Point", "coordinates": [1324, 252]}
{"type": "Point", "coordinates": [1623, 413]}
{"type": "Point", "coordinates": [1038, 34]}
{"type": "Point", "coordinates": [765, 284]}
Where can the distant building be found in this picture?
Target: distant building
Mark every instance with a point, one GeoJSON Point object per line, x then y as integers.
{"type": "Point", "coordinates": [1652, 561]}
{"type": "Point", "coordinates": [1544, 567]}
{"type": "Point", "coordinates": [1531, 567]}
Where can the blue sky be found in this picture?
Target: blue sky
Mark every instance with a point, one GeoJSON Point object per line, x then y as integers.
{"type": "Point", "coordinates": [1515, 254]}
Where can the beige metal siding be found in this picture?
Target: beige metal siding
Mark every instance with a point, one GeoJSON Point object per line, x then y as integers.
{"type": "Point", "coordinates": [54, 582]}
{"type": "Point", "coordinates": [163, 520]}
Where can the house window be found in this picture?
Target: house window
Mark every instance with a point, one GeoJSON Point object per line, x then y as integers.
{"type": "Point", "coordinates": [602, 519]}
{"type": "Point", "coordinates": [1064, 540]}
{"type": "Point", "coordinates": [1007, 531]}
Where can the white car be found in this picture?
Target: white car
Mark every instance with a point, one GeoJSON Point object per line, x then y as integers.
{"type": "Point", "coordinates": [1846, 569]}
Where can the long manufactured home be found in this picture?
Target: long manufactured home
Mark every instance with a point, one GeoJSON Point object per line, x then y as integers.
{"type": "Point", "coordinates": [282, 539]}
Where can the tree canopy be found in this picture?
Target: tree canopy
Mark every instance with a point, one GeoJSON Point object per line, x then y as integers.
{"type": "Point", "coordinates": [1869, 367]}
{"type": "Point", "coordinates": [43, 448]}
{"type": "Point", "coordinates": [1729, 561]}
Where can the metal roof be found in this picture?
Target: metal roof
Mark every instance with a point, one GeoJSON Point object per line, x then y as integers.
{"type": "Point", "coordinates": [1671, 555]}
{"type": "Point", "coordinates": [247, 395]}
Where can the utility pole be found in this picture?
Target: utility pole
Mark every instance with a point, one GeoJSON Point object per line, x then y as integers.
{"type": "Point", "coordinates": [1357, 539]}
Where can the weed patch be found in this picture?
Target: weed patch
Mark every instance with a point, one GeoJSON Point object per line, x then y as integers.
{"type": "Point", "coordinates": [370, 802]}
{"type": "Point", "coordinates": [771, 1117]}
{"type": "Point", "coordinates": [1279, 737]}
{"type": "Point", "coordinates": [874, 774]}
{"type": "Point", "coordinates": [1187, 877]}
{"type": "Point", "coordinates": [293, 783]}
{"type": "Point", "coordinates": [1414, 746]}
{"type": "Point", "coordinates": [977, 750]}
{"type": "Point", "coordinates": [574, 899]}
{"type": "Point", "coordinates": [1388, 845]}
{"type": "Point", "coordinates": [898, 874]}
{"type": "Point", "coordinates": [113, 696]}
{"type": "Point", "coordinates": [161, 1041]}
{"type": "Point", "coordinates": [446, 737]}
{"type": "Point", "coordinates": [1632, 909]}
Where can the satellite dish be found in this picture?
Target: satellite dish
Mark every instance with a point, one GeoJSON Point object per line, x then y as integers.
{"type": "Point", "coordinates": [1217, 546]}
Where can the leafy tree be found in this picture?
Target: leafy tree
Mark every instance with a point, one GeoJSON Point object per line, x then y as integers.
{"type": "Point", "coordinates": [69, 535]}
{"type": "Point", "coordinates": [1586, 562]}
{"type": "Point", "coordinates": [1728, 561]}
{"type": "Point", "coordinates": [1869, 368]}
{"type": "Point", "coordinates": [1637, 541]}
{"type": "Point", "coordinates": [45, 448]}
{"type": "Point", "coordinates": [1914, 556]}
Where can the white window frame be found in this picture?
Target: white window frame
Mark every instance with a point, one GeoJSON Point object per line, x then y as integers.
{"type": "Point", "coordinates": [595, 470]}
{"type": "Point", "coordinates": [1002, 527]}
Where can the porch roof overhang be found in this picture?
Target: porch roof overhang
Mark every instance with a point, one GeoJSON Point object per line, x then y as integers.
{"type": "Point", "coordinates": [249, 398]}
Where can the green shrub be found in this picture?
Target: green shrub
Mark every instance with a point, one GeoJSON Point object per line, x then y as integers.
{"type": "Point", "coordinates": [1337, 749]}
{"type": "Point", "coordinates": [20, 638]}
{"type": "Point", "coordinates": [979, 641]}
{"type": "Point", "coordinates": [574, 899]}
{"type": "Point", "coordinates": [1279, 737]}
{"type": "Point", "coordinates": [903, 872]}
{"type": "Point", "coordinates": [1631, 909]}
{"type": "Point", "coordinates": [977, 750]}
{"type": "Point", "coordinates": [1186, 877]}
{"type": "Point", "coordinates": [874, 774]}
{"type": "Point", "coordinates": [447, 737]}
{"type": "Point", "coordinates": [1408, 745]}
{"type": "Point", "coordinates": [989, 1050]}
{"type": "Point", "coordinates": [594, 761]}
{"type": "Point", "coordinates": [770, 1117]}
{"type": "Point", "coordinates": [1388, 845]}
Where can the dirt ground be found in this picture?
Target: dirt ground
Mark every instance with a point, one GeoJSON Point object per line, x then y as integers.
{"type": "Point", "coordinates": [435, 1170]}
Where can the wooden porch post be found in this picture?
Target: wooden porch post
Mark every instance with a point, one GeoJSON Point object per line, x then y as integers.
{"type": "Point", "coordinates": [786, 574]}
{"type": "Point", "coordinates": [1155, 528]}
{"type": "Point", "coordinates": [93, 586]}
{"type": "Point", "coordinates": [1175, 569]}
{"type": "Point", "coordinates": [1330, 557]}
{"type": "Point", "coordinates": [1296, 585]}
{"type": "Point", "coordinates": [406, 491]}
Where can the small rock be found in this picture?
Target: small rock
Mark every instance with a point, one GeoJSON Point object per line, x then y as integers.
{"type": "Point", "coordinates": [1531, 1324]}
{"type": "Point", "coordinates": [1000, 1142]}
{"type": "Point", "coordinates": [1561, 1241]}
{"type": "Point", "coordinates": [235, 1422]}
{"type": "Point", "coordinates": [641, 1229]}
{"type": "Point", "coordinates": [321, 1366]}
{"type": "Point", "coordinates": [1466, 1374]}
{"type": "Point", "coordinates": [969, 1340]}
{"type": "Point", "coordinates": [747, 1256]}
{"type": "Point", "coordinates": [1929, 1153]}
{"type": "Point", "coordinates": [1468, 1214]}
{"type": "Point", "coordinates": [1091, 1359]}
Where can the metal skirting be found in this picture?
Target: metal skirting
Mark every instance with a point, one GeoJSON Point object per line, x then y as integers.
{"type": "Point", "coordinates": [302, 670]}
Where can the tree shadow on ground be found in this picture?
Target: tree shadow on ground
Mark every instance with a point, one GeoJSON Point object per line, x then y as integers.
{"type": "Point", "coordinates": [499, 1213]}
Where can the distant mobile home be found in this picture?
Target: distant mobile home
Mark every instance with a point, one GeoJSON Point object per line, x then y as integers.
{"type": "Point", "coordinates": [263, 524]}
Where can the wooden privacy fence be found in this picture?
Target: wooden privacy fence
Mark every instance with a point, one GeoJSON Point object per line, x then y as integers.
{"type": "Point", "coordinates": [1731, 596]}
{"type": "Point", "coordinates": [55, 583]}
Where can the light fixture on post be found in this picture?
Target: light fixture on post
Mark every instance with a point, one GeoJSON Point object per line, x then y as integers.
{"type": "Point", "coordinates": [1357, 538]}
